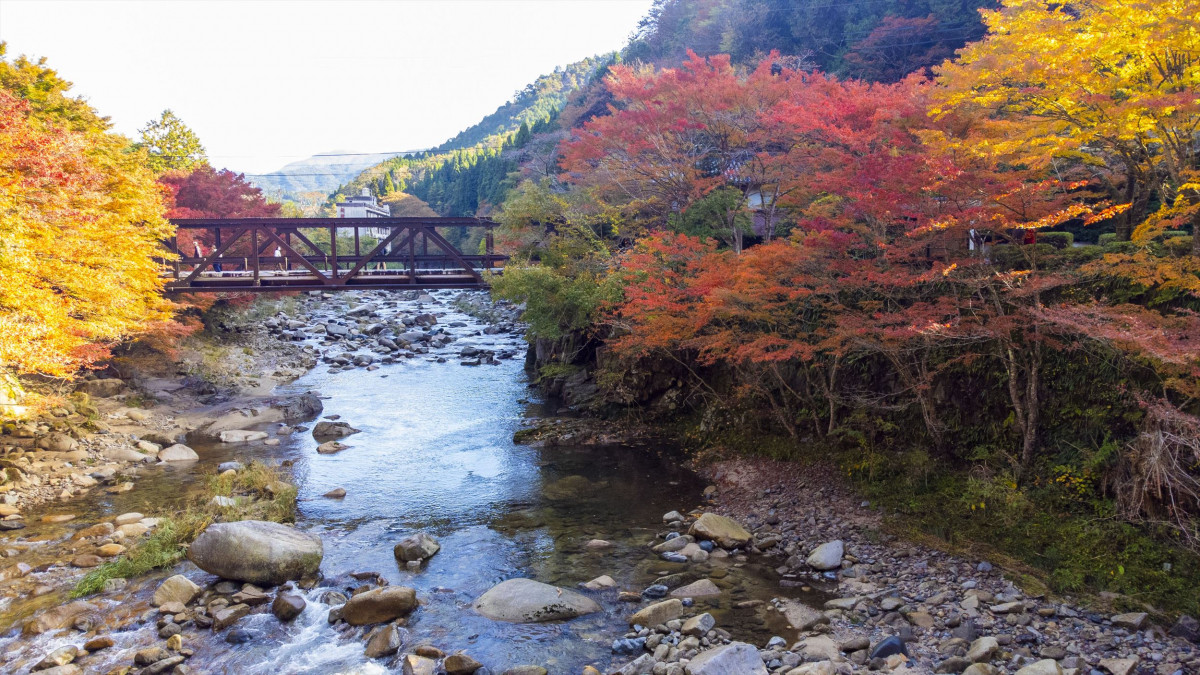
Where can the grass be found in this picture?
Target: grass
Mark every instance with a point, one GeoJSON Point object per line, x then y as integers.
{"type": "Point", "coordinates": [261, 494]}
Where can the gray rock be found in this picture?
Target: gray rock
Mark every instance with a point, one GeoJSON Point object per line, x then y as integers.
{"type": "Point", "coordinates": [698, 626]}
{"type": "Point", "coordinates": [726, 532]}
{"type": "Point", "coordinates": [101, 388]}
{"type": "Point", "coordinates": [256, 551]}
{"type": "Point", "coordinates": [735, 658]}
{"type": "Point", "coordinates": [1132, 620]}
{"type": "Point", "coordinates": [332, 430]}
{"type": "Point", "coordinates": [658, 613]}
{"type": "Point", "coordinates": [529, 601]}
{"type": "Point", "coordinates": [124, 453]}
{"type": "Point", "coordinates": [331, 447]}
{"type": "Point", "coordinates": [827, 556]}
{"type": "Point", "coordinates": [384, 642]}
{"type": "Point", "coordinates": [379, 605]}
{"type": "Point", "coordinates": [1187, 628]}
{"type": "Point", "coordinates": [227, 616]}
{"type": "Point", "coordinates": [230, 466]}
{"type": "Point", "coordinates": [982, 650]}
{"type": "Point", "coordinates": [704, 588]}
{"type": "Point", "coordinates": [419, 546]}
{"type": "Point", "coordinates": [287, 606]}
{"type": "Point", "coordinates": [1044, 667]}
{"type": "Point", "coordinates": [175, 589]}
{"type": "Point", "coordinates": [642, 665]}
{"type": "Point", "coordinates": [241, 436]}
{"type": "Point", "coordinates": [177, 453]}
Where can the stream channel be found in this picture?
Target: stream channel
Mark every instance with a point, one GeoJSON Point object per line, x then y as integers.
{"type": "Point", "coordinates": [436, 454]}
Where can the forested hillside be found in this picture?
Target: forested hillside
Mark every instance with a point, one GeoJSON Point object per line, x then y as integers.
{"type": "Point", "coordinates": [875, 41]}
{"type": "Point", "coordinates": [788, 262]}
{"type": "Point", "coordinates": [471, 171]}
{"type": "Point", "coordinates": [882, 40]}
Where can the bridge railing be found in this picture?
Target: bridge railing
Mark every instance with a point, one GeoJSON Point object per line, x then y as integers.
{"type": "Point", "coordinates": [255, 254]}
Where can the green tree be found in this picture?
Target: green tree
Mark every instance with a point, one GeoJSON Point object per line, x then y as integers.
{"type": "Point", "coordinates": [171, 145]}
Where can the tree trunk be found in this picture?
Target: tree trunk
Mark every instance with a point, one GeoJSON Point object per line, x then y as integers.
{"type": "Point", "coordinates": [1196, 234]}
{"type": "Point", "coordinates": [1023, 394]}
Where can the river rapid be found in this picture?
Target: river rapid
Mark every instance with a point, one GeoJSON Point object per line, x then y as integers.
{"type": "Point", "coordinates": [435, 454]}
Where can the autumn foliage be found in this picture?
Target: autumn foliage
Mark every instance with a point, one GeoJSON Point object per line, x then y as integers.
{"type": "Point", "coordinates": [80, 222]}
{"type": "Point", "coordinates": [846, 262]}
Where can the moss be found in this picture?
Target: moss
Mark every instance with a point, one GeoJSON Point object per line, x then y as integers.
{"type": "Point", "coordinates": [162, 548]}
{"type": "Point", "coordinates": [262, 495]}
{"type": "Point", "coordinates": [553, 371]}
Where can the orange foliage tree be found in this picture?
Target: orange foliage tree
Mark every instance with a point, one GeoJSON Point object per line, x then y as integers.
{"type": "Point", "coordinates": [81, 219]}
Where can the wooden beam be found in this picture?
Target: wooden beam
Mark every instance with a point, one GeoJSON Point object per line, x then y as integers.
{"type": "Point", "coordinates": [333, 270]}
{"type": "Point", "coordinates": [448, 248]}
{"type": "Point", "coordinates": [216, 253]}
{"type": "Point", "coordinates": [378, 247]}
{"type": "Point", "coordinates": [303, 261]}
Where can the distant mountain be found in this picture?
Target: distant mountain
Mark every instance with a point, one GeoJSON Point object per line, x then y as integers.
{"type": "Point", "coordinates": [321, 173]}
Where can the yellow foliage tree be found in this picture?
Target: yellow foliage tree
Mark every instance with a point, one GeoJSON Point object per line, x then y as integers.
{"type": "Point", "coordinates": [80, 221]}
{"type": "Point", "coordinates": [1112, 86]}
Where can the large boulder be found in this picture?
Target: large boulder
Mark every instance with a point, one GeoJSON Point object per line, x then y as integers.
{"type": "Point", "coordinates": [735, 658]}
{"type": "Point", "coordinates": [379, 605]}
{"type": "Point", "coordinates": [529, 601]}
{"type": "Point", "coordinates": [419, 546]}
{"type": "Point", "coordinates": [726, 532]}
{"type": "Point", "coordinates": [827, 556]}
{"type": "Point", "coordinates": [177, 453]}
{"type": "Point", "coordinates": [257, 551]}
{"type": "Point", "coordinates": [332, 430]}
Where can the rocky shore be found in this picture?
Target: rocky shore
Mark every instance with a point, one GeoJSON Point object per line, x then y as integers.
{"type": "Point", "coordinates": [894, 607]}
{"type": "Point", "coordinates": [103, 437]}
{"type": "Point", "coordinates": [884, 605]}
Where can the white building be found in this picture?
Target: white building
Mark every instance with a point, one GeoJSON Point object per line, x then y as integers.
{"type": "Point", "coordinates": [363, 206]}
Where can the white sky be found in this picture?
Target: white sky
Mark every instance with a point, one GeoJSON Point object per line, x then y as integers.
{"type": "Point", "coordinates": [269, 82]}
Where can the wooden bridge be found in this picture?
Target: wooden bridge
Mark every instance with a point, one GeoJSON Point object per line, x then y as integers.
{"type": "Point", "coordinates": [304, 254]}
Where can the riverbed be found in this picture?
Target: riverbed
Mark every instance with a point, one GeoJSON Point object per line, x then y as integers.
{"type": "Point", "coordinates": [436, 454]}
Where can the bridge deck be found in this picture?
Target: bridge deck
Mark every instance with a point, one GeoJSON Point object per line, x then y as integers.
{"type": "Point", "coordinates": [274, 254]}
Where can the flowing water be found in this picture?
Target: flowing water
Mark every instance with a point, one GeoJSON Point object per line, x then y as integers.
{"type": "Point", "coordinates": [436, 454]}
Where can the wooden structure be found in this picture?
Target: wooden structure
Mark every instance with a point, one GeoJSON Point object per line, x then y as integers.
{"type": "Point", "coordinates": [240, 254]}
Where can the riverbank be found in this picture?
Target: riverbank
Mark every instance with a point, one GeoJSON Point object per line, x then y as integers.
{"type": "Point", "coordinates": [578, 508]}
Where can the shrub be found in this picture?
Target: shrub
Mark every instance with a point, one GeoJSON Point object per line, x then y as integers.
{"type": "Point", "coordinates": [1059, 240]}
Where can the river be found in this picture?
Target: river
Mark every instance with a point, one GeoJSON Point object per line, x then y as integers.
{"type": "Point", "coordinates": [436, 454]}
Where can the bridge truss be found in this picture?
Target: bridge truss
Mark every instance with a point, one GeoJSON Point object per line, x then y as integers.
{"type": "Point", "coordinates": [303, 254]}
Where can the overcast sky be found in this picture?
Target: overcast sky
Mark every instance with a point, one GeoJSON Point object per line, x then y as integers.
{"type": "Point", "coordinates": [265, 83]}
